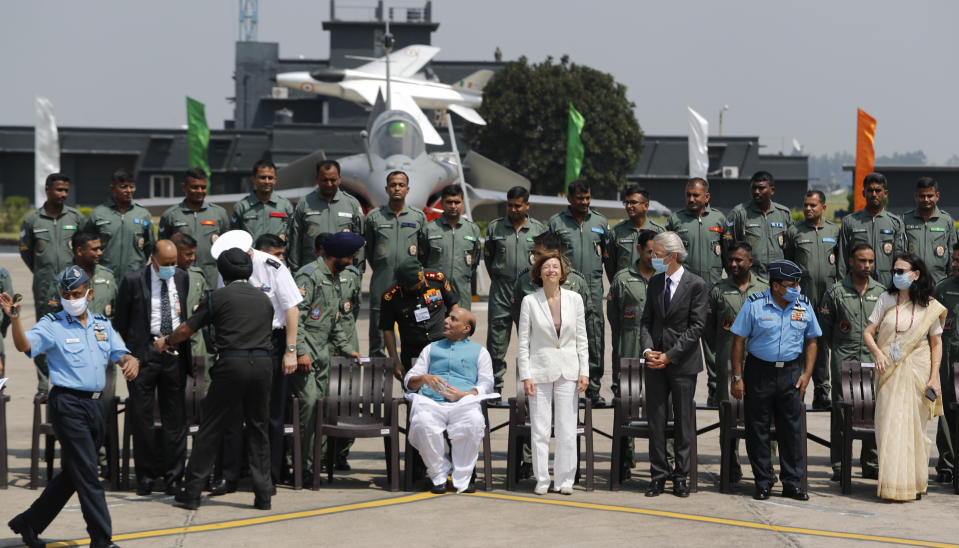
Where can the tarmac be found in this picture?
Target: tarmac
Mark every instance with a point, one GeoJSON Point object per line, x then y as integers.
{"type": "Point", "coordinates": [358, 509]}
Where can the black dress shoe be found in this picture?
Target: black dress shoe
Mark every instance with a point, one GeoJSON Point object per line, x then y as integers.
{"type": "Point", "coordinates": [680, 489]}
{"type": "Point", "coordinates": [944, 476]}
{"type": "Point", "coordinates": [525, 470]}
{"type": "Point", "coordinates": [836, 475]}
{"type": "Point", "coordinates": [144, 487]}
{"type": "Point", "coordinates": [656, 488]}
{"type": "Point", "coordinates": [262, 504]}
{"type": "Point", "coordinates": [821, 404]}
{"type": "Point", "coordinates": [172, 488]}
{"type": "Point", "coordinates": [342, 464]}
{"type": "Point", "coordinates": [183, 500]}
{"type": "Point", "coordinates": [438, 489]}
{"type": "Point", "coordinates": [471, 488]}
{"type": "Point", "coordinates": [20, 526]}
{"type": "Point", "coordinates": [795, 493]}
{"type": "Point", "coordinates": [598, 401]}
{"type": "Point", "coordinates": [762, 493]}
{"type": "Point", "coordinates": [870, 474]}
{"type": "Point", "coordinates": [711, 401]}
{"type": "Point", "coordinates": [223, 487]}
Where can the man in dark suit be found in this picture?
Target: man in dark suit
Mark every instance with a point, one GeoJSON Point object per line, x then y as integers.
{"type": "Point", "coordinates": [151, 304]}
{"type": "Point", "coordinates": [673, 320]}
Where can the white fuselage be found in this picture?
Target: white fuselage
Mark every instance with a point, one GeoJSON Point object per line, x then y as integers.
{"type": "Point", "coordinates": [426, 94]}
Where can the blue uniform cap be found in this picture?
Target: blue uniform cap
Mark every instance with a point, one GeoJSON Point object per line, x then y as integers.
{"type": "Point", "coordinates": [341, 245]}
{"type": "Point", "coordinates": [73, 277]}
{"type": "Point", "coordinates": [783, 270]}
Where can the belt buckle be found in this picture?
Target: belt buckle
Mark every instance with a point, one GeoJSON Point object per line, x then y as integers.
{"type": "Point", "coordinates": [95, 396]}
{"type": "Point", "coordinates": [780, 364]}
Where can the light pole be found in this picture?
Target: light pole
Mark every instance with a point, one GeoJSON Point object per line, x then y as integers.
{"type": "Point", "coordinates": [721, 111]}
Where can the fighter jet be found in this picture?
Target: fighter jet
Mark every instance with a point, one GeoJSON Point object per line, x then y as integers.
{"type": "Point", "coordinates": [409, 91]}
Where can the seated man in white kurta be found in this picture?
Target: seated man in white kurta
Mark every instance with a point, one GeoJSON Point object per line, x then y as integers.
{"type": "Point", "coordinates": [449, 378]}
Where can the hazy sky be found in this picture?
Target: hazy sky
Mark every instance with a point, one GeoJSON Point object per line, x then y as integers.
{"type": "Point", "coordinates": [786, 69]}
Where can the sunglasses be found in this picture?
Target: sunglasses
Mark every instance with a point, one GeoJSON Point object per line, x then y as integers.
{"type": "Point", "coordinates": [900, 271]}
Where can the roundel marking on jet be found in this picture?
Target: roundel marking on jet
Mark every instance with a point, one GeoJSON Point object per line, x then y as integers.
{"type": "Point", "coordinates": [307, 87]}
{"type": "Point", "coordinates": [413, 52]}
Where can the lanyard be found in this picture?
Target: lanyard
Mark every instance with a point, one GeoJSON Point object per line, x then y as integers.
{"type": "Point", "coordinates": [911, 319]}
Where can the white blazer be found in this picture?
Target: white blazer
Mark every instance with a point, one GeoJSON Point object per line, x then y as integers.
{"type": "Point", "coordinates": [544, 357]}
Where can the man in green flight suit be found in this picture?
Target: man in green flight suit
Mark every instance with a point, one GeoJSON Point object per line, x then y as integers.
{"type": "Point", "coordinates": [726, 298]}
{"type": "Point", "coordinates": [326, 209]}
{"type": "Point", "coordinates": [585, 236]}
{"type": "Point", "coordinates": [45, 248]}
{"type": "Point", "coordinates": [875, 226]}
{"type": "Point", "coordinates": [185, 259]}
{"type": "Point", "coordinates": [844, 314]}
{"type": "Point", "coordinates": [452, 245]}
{"type": "Point", "coordinates": [393, 233]}
{"type": "Point", "coordinates": [87, 252]}
{"type": "Point", "coordinates": [761, 222]}
{"type": "Point", "coordinates": [622, 240]}
{"type": "Point", "coordinates": [930, 231]}
{"type": "Point", "coordinates": [202, 221]}
{"type": "Point", "coordinates": [701, 228]}
{"type": "Point", "coordinates": [812, 245]}
{"type": "Point", "coordinates": [321, 335]}
{"type": "Point", "coordinates": [508, 250]}
{"type": "Point", "coordinates": [124, 226]}
{"type": "Point", "coordinates": [263, 211]}
{"type": "Point", "coordinates": [947, 293]}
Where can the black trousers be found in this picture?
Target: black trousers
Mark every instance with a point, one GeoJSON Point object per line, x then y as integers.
{"type": "Point", "coordinates": [771, 392]}
{"type": "Point", "coordinates": [660, 385]}
{"type": "Point", "coordinates": [78, 424]}
{"type": "Point", "coordinates": [237, 384]}
{"type": "Point", "coordinates": [165, 456]}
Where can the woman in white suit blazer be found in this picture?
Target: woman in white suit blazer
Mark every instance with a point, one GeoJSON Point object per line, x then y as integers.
{"type": "Point", "coordinates": [553, 363]}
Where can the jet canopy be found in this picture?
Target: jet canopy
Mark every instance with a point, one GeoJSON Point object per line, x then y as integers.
{"type": "Point", "coordinates": [396, 133]}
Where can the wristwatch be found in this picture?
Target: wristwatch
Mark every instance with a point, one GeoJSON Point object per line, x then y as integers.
{"type": "Point", "coordinates": [736, 378]}
{"type": "Point", "coordinates": [291, 348]}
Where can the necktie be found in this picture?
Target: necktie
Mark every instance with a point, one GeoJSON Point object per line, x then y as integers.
{"type": "Point", "coordinates": [668, 294]}
{"type": "Point", "coordinates": [166, 318]}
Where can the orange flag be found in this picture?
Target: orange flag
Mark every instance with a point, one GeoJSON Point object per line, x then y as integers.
{"type": "Point", "coordinates": [865, 155]}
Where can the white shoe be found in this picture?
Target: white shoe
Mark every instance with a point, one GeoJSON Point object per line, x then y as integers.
{"type": "Point", "coordinates": [566, 490]}
{"type": "Point", "coordinates": [541, 490]}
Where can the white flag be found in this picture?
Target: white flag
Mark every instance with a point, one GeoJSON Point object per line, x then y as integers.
{"type": "Point", "coordinates": [698, 150]}
{"type": "Point", "coordinates": [46, 148]}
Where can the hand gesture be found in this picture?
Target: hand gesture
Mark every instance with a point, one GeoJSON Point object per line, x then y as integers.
{"type": "Point", "coordinates": [9, 307]}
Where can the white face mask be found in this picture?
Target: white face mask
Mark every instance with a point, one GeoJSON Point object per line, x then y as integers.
{"type": "Point", "coordinates": [75, 307]}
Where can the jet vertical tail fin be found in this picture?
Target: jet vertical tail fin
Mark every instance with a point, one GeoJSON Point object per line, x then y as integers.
{"type": "Point", "coordinates": [474, 82]}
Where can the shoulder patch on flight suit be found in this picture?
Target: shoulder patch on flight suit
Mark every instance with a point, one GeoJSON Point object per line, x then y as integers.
{"type": "Point", "coordinates": [274, 263]}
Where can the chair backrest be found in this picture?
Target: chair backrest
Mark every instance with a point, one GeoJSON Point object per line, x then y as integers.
{"type": "Point", "coordinates": [859, 388]}
{"type": "Point", "coordinates": [360, 389]}
{"type": "Point", "coordinates": [739, 410]}
{"type": "Point", "coordinates": [522, 406]}
{"type": "Point", "coordinates": [632, 373]}
{"type": "Point", "coordinates": [193, 394]}
{"type": "Point", "coordinates": [955, 377]}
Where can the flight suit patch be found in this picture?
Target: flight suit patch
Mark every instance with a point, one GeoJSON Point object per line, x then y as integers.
{"type": "Point", "coordinates": [940, 251]}
{"type": "Point", "coordinates": [347, 306]}
{"type": "Point", "coordinates": [887, 248]}
{"type": "Point", "coordinates": [412, 250]}
{"type": "Point", "coordinates": [832, 258]}
{"type": "Point", "coordinates": [845, 326]}
{"type": "Point", "coordinates": [781, 239]}
{"type": "Point", "coordinates": [629, 312]}
{"type": "Point", "coordinates": [469, 259]}
{"type": "Point", "coordinates": [140, 243]}
{"type": "Point", "coordinates": [108, 310]}
{"type": "Point", "coordinates": [316, 312]}
{"type": "Point", "coordinates": [41, 245]}
{"type": "Point", "coordinates": [718, 250]}
{"type": "Point", "coordinates": [948, 326]}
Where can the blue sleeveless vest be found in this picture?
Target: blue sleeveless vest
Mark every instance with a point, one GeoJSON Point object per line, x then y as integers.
{"type": "Point", "coordinates": [454, 362]}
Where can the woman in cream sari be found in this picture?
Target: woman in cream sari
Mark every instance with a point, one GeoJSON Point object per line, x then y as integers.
{"type": "Point", "coordinates": [907, 355]}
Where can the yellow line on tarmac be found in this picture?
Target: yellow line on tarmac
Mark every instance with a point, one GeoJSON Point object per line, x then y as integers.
{"type": "Point", "coordinates": [256, 521]}
{"type": "Point", "coordinates": [719, 521]}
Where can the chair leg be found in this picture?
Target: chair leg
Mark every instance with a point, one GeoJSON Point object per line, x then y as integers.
{"type": "Point", "coordinates": [615, 460]}
{"type": "Point", "coordinates": [297, 446]}
{"type": "Point", "coordinates": [394, 456]}
{"type": "Point", "coordinates": [511, 456]}
{"type": "Point", "coordinates": [846, 480]}
{"type": "Point", "coordinates": [487, 461]}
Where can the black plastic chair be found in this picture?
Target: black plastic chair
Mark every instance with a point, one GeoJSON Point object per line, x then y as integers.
{"type": "Point", "coordinates": [858, 407]}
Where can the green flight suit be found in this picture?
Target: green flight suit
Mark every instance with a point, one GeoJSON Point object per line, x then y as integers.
{"type": "Point", "coordinates": [884, 233]}
{"type": "Point", "coordinates": [127, 238]}
{"type": "Point", "coordinates": [507, 252]}
{"type": "Point", "coordinates": [198, 347]}
{"type": "Point", "coordinates": [321, 336]}
{"type": "Point", "coordinates": [105, 289]}
{"type": "Point", "coordinates": [947, 293]}
{"type": "Point", "coordinates": [45, 249]}
{"type": "Point", "coordinates": [622, 245]}
{"type": "Point", "coordinates": [314, 216]}
{"type": "Point", "coordinates": [725, 301]}
{"type": "Point", "coordinates": [6, 286]}
{"type": "Point", "coordinates": [587, 247]}
{"type": "Point", "coordinates": [843, 316]}
{"type": "Point", "coordinates": [204, 225]}
{"type": "Point", "coordinates": [389, 240]}
{"type": "Point", "coordinates": [765, 232]}
{"type": "Point", "coordinates": [455, 251]}
{"type": "Point", "coordinates": [931, 240]}
{"type": "Point", "coordinates": [259, 218]}
{"type": "Point", "coordinates": [814, 250]}
{"type": "Point", "coordinates": [702, 237]}
{"type": "Point", "coordinates": [351, 280]}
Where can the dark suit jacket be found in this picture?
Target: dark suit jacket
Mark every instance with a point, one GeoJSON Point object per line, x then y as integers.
{"type": "Point", "coordinates": [132, 317]}
{"type": "Point", "coordinates": [676, 333]}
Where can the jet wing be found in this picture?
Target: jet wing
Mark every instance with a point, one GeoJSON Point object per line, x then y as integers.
{"type": "Point", "coordinates": [404, 63]}
{"type": "Point", "coordinates": [467, 114]}
{"type": "Point", "coordinates": [401, 101]}
{"type": "Point", "coordinates": [365, 88]}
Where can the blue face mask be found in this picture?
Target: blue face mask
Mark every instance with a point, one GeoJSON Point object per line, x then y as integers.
{"type": "Point", "coordinates": [658, 264]}
{"type": "Point", "coordinates": [792, 293]}
{"type": "Point", "coordinates": [166, 272]}
{"type": "Point", "coordinates": [902, 281]}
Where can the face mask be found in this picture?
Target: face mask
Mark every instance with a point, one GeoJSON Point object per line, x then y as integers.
{"type": "Point", "coordinates": [902, 281]}
{"type": "Point", "coordinates": [166, 272]}
{"type": "Point", "coordinates": [659, 265]}
{"type": "Point", "coordinates": [75, 307]}
{"type": "Point", "coordinates": [792, 293]}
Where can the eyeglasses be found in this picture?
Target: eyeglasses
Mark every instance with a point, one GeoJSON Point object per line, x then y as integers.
{"type": "Point", "coordinates": [900, 271]}
{"type": "Point", "coordinates": [634, 202]}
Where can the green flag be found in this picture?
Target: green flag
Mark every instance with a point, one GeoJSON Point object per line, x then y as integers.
{"type": "Point", "coordinates": [574, 147]}
{"type": "Point", "coordinates": [197, 135]}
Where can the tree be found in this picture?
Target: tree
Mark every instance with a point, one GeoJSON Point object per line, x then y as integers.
{"type": "Point", "coordinates": [527, 111]}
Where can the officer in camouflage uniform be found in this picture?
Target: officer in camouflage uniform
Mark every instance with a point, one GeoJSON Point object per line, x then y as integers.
{"type": "Point", "coordinates": [45, 248]}
{"type": "Point", "coordinates": [326, 209]}
{"type": "Point", "coordinates": [726, 298]}
{"type": "Point", "coordinates": [321, 335]}
{"type": "Point", "coordinates": [393, 233]}
{"type": "Point", "coordinates": [812, 245]}
{"type": "Point", "coordinates": [844, 312]}
{"type": "Point", "coordinates": [947, 293]}
{"type": "Point", "coordinates": [930, 231]}
{"type": "Point", "coordinates": [585, 236]}
{"type": "Point", "coordinates": [263, 211]}
{"type": "Point", "coordinates": [185, 257]}
{"type": "Point", "coordinates": [875, 226]}
{"type": "Point", "coordinates": [761, 223]}
{"type": "Point", "coordinates": [452, 245]}
{"type": "Point", "coordinates": [200, 220]}
{"type": "Point", "coordinates": [508, 250]}
{"type": "Point", "coordinates": [124, 226]}
{"type": "Point", "coordinates": [701, 228]}
{"type": "Point", "coordinates": [622, 241]}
